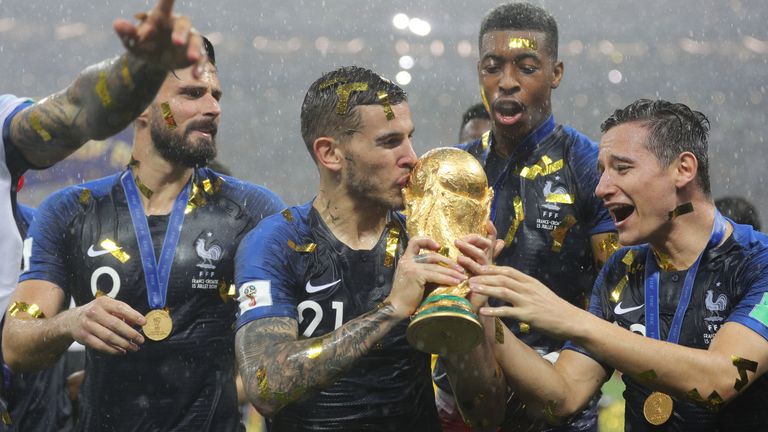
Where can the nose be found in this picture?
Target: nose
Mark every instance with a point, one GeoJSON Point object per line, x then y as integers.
{"type": "Point", "coordinates": [212, 107]}
{"type": "Point", "coordinates": [508, 82]}
{"type": "Point", "coordinates": [604, 186]}
{"type": "Point", "coordinates": [408, 160]}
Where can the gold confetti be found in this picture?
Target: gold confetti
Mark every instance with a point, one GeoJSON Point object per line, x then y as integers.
{"type": "Point", "coordinates": [287, 215]}
{"type": "Point", "coordinates": [517, 42]}
{"type": "Point", "coordinates": [544, 167]}
{"type": "Point", "coordinates": [743, 365]}
{"type": "Point", "coordinates": [485, 100]}
{"type": "Point", "coordinates": [648, 375]}
{"type": "Point", "coordinates": [344, 91]}
{"type": "Point", "coordinates": [32, 310]}
{"type": "Point", "coordinates": [616, 293]}
{"type": "Point", "coordinates": [484, 140]}
{"type": "Point", "coordinates": [393, 239]}
{"type": "Point", "coordinates": [610, 244]}
{"type": "Point", "coordinates": [499, 331]}
{"type": "Point", "coordinates": [559, 198]}
{"type": "Point", "coordinates": [332, 82]}
{"type": "Point", "coordinates": [306, 248]}
{"type": "Point", "coordinates": [103, 91]}
{"type": "Point", "coordinates": [34, 120]}
{"type": "Point", "coordinates": [125, 73]}
{"type": "Point", "coordinates": [115, 250]}
{"type": "Point", "coordinates": [524, 327]}
{"type": "Point", "coordinates": [517, 203]}
{"type": "Point", "coordinates": [168, 115]}
{"type": "Point", "coordinates": [144, 189]}
{"type": "Point", "coordinates": [315, 349]}
{"type": "Point", "coordinates": [559, 233]}
{"type": "Point", "coordinates": [384, 99]}
{"type": "Point", "coordinates": [680, 210]}
{"type": "Point", "coordinates": [85, 197]}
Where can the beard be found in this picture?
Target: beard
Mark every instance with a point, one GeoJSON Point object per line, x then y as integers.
{"type": "Point", "coordinates": [183, 149]}
{"type": "Point", "coordinates": [362, 186]}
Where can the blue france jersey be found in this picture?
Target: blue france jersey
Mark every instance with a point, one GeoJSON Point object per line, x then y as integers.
{"type": "Point", "coordinates": [546, 210]}
{"type": "Point", "coordinates": [292, 266]}
{"type": "Point", "coordinates": [83, 241]}
{"type": "Point", "coordinates": [731, 285]}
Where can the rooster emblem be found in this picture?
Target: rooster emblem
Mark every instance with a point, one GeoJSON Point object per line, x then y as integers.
{"type": "Point", "coordinates": [715, 305]}
{"type": "Point", "coordinates": [208, 255]}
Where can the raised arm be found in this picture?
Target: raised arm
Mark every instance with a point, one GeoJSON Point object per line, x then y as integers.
{"type": "Point", "coordinates": [106, 97]}
{"type": "Point", "coordinates": [277, 368]}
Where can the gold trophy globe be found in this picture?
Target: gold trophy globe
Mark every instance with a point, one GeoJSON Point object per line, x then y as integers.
{"type": "Point", "coordinates": [446, 199]}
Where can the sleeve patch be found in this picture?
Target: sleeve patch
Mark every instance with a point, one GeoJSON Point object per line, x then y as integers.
{"type": "Point", "coordinates": [760, 311]}
{"type": "Point", "coordinates": [254, 294]}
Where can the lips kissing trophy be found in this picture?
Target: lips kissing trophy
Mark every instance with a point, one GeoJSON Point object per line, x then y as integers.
{"type": "Point", "coordinates": [446, 198]}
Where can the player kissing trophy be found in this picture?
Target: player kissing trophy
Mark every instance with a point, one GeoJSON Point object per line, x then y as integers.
{"type": "Point", "coordinates": [447, 198]}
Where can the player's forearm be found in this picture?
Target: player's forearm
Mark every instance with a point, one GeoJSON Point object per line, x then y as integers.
{"type": "Point", "coordinates": [478, 383]}
{"type": "Point", "coordinates": [102, 101]}
{"type": "Point", "coordinates": [535, 381]}
{"type": "Point", "coordinates": [277, 374]}
{"type": "Point", "coordinates": [663, 366]}
{"type": "Point", "coordinates": [34, 344]}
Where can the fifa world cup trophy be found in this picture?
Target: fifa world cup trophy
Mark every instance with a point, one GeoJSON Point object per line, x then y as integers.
{"type": "Point", "coordinates": [446, 199]}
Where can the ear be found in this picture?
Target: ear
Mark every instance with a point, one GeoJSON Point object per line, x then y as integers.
{"type": "Point", "coordinates": [328, 153]}
{"type": "Point", "coordinates": [142, 120]}
{"type": "Point", "coordinates": [557, 74]}
{"type": "Point", "coordinates": [686, 170]}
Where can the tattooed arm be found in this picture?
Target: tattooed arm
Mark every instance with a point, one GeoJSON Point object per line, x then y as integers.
{"type": "Point", "coordinates": [106, 97]}
{"type": "Point", "coordinates": [278, 369]}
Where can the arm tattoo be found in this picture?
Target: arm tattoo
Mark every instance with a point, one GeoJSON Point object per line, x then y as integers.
{"type": "Point", "coordinates": [102, 101]}
{"type": "Point", "coordinates": [277, 368]}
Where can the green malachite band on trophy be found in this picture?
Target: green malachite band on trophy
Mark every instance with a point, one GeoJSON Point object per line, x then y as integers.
{"type": "Point", "coordinates": [436, 298]}
{"type": "Point", "coordinates": [439, 309]}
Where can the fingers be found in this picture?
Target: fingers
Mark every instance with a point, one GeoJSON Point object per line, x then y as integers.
{"type": "Point", "coordinates": [106, 324]}
{"type": "Point", "coordinates": [165, 8]}
{"type": "Point", "coordinates": [416, 244]}
{"type": "Point", "coordinates": [497, 248]}
{"type": "Point", "coordinates": [501, 311]}
{"type": "Point", "coordinates": [181, 31]}
{"type": "Point", "coordinates": [498, 292]}
{"type": "Point", "coordinates": [126, 31]}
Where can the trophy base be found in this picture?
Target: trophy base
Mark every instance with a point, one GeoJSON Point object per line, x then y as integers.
{"type": "Point", "coordinates": [445, 330]}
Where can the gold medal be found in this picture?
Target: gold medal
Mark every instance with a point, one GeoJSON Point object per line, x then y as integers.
{"type": "Point", "coordinates": [657, 408]}
{"type": "Point", "coordinates": [159, 324]}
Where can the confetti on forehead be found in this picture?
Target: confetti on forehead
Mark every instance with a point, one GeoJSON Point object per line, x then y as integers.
{"type": "Point", "coordinates": [516, 42]}
{"type": "Point", "coordinates": [384, 99]}
{"type": "Point", "coordinates": [344, 91]}
{"type": "Point", "coordinates": [332, 82]}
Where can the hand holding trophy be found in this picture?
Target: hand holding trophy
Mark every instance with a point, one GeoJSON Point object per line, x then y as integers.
{"type": "Point", "coordinates": [446, 199]}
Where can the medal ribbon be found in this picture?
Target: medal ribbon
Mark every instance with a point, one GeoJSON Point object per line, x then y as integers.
{"type": "Point", "coordinates": [156, 273]}
{"type": "Point", "coordinates": [652, 287]}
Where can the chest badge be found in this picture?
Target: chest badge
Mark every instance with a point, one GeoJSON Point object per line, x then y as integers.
{"type": "Point", "coordinates": [209, 254]}
{"type": "Point", "coordinates": [715, 305]}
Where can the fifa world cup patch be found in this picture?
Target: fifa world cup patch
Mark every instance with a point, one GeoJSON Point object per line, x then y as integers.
{"type": "Point", "coordinates": [254, 294]}
{"type": "Point", "coordinates": [760, 311]}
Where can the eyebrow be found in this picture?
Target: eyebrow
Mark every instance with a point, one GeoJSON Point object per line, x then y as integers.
{"type": "Point", "coordinates": [614, 158]}
{"type": "Point", "coordinates": [517, 58]}
{"type": "Point", "coordinates": [387, 136]}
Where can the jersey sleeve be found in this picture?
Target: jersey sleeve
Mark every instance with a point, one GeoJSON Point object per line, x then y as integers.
{"type": "Point", "coordinates": [264, 273]}
{"type": "Point", "coordinates": [46, 242]}
{"type": "Point", "coordinates": [9, 107]}
{"type": "Point", "coordinates": [258, 201]}
{"type": "Point", "coordinates": [584, 162]}
{"type": "Point", "coordinates": [752, 310]}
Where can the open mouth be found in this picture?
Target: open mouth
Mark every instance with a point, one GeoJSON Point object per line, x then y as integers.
{"type": "Point", "coordinates": [621, 211]}
{"type": "Point", "coordinates": [508, 111]}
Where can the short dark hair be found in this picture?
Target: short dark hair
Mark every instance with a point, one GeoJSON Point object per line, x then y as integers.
{"type": "Point", "coordinates": [319, 111]}
{"type": "Point", "coordinates": [673, 128]}
{"type": "Point", "coordinates": [208, 46]}
{"type": "Point", "coordinates": [739, 210]}
{"type": "Point", "coordinates": [476, 111]}
{"type": "Point", "coordinates": [521, 16]}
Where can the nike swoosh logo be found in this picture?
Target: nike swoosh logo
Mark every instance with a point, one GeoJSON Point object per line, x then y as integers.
{"type": "Point", "coordinates": [313, 289]}
{"type": "Point", "coordinates": [94, 253]}
{"type": "Point", "coordinates": [618, 310]}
